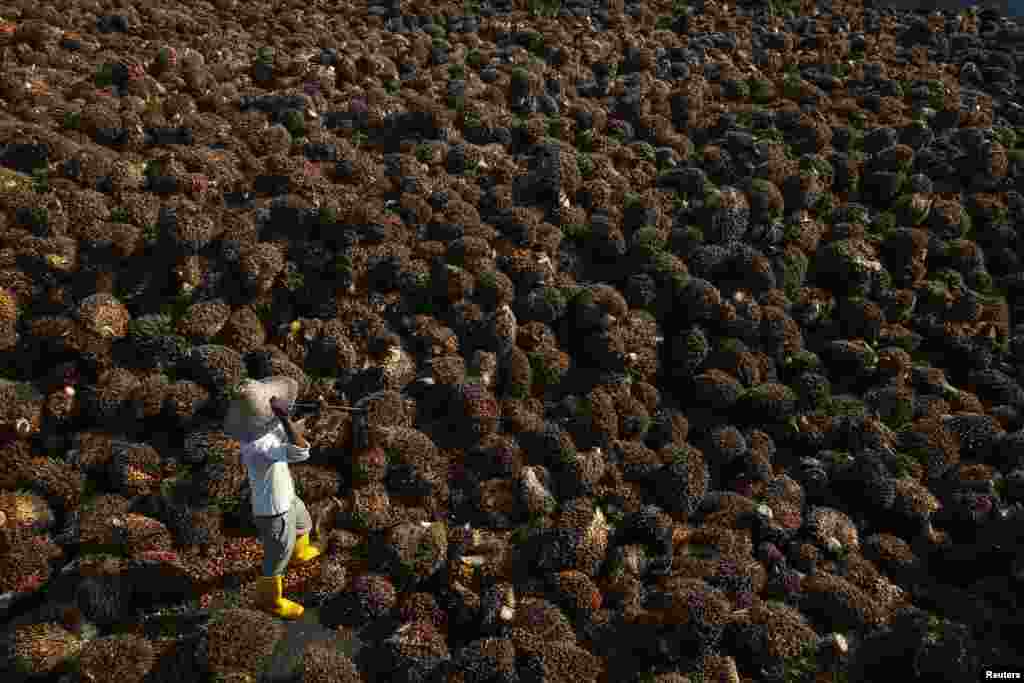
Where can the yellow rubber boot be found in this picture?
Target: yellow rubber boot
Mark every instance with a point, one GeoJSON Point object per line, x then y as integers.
{"type": "Point", "coordinates": [270, 598]}
{"type": "Point", "coordinates": [304, 550]}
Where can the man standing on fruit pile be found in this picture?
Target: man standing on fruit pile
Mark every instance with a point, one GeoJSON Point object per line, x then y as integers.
{"type": "Point", "coordinates": [259, 417]}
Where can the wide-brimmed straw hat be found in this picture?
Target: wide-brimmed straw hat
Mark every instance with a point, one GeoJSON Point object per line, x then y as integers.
{"type": "Point", "coordinates": [249, 415]}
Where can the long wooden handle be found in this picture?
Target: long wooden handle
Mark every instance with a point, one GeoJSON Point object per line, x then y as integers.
{"type": "Point", "coordinates": [333, 407]}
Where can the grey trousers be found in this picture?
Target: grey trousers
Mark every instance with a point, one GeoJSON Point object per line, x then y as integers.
{"type": "Point", "coordinates": [278, 534]}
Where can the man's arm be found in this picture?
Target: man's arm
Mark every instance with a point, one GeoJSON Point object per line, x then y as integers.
{"type": "Point", "coordinates": [296, 432]}
{"type": "Point", "coordinates": [275, 451]}
{"type": "Point", "coordinates": [280, 408]}
{"type": "Point", "coordinates": [295, 453]}
{"type": "Point", "coordinates": [297, 448]}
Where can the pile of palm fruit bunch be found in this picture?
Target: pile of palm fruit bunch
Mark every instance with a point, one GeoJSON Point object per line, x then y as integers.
{"type": "Point", "coordinates": [654, 341]}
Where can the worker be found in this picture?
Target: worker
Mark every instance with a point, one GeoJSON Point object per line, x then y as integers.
{"type": "Point", "coordinates": [259, 418]}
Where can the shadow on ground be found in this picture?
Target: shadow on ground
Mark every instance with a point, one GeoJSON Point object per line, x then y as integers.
{"type": "Point", "coordinates": [285, 663]}
{"type": "Point", "coordinates": [1012, 8]}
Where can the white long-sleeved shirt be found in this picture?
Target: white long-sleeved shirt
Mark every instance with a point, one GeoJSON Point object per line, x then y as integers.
{"type": "Point", "coordinates": [270, 481]}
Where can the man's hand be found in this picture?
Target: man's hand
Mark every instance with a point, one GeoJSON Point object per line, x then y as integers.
{"type": "Point", "coordinates": [279, 407]}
